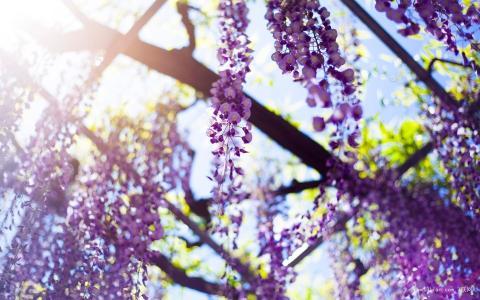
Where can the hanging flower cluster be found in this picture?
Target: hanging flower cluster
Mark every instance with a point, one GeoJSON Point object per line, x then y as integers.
{"type": "Point", "coordinates": [62, 261]}
{"type": "Point", "coordinates": [278, 244]}
{"type": "Point", "coordinates": [449, 21]}
{"type": "Point", "coordinates": [119, 209]}
{"type": "Point", "coordinates": [49, 260]}
{"type": "Point", "coordinates": [115, 227]}
{"type": "Point", "coordinates": [231, 108]}
{"type": "Point", "coordinates": [39, 176]}
{"type": "Point", "coordinates": [275, 284]}
{"type": "Point", "coordinates": [433, 244]}
{"type": "Point", "coordinates": [346, 269]}
{"type": "Point", "coordinates": [43, 173]}
{"type": "Point", "coordinates": [14, 100]}
{"type": "Point", "coordinates": [306, 47]}
{"type": "Point", "coordinates": [427, 242]}
{"type": "Point", "coordinates": [100, 250]}
{"type": "Point", "coordinates": [455, 134]}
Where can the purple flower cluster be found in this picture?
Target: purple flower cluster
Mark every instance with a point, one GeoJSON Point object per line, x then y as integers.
{"type": "Point", "coordinates": [347, 280]}
{"type": "Point", "coordinates": [99, 250]}
{"type": "Point", "coordinates": [306, 47]}
{"type": "Point", "coordinates": [455, 133]}
{"type": "Point", "coordinates": [449, 21]}
{"type": "Point", "coordinates": [278, 245]}
{"type": "Point", "coordinates": [427, 241]}
{"type": "Point", "coordinates": [117, 213]}
{"type": "Point", "coordinates": [38, 175]}
{"type": "Point", "coordinates": [307, 229]}
{"type": "Point", "coordinates": [231, 108]}
{"type": "Point", "coordinates": [115, 230]}
{"type": "Point", "coordinates": [433, 243]}
{"type": "Point", "coordinates": [60, 259]}
{"type": "Point", "coordinates": [43, 172]}
{"type": "Point", "coordinates": [274, 286]}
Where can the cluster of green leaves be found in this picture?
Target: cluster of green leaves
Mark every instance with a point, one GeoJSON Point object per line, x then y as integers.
{"type": "Point", "coordinates": [386, 146]}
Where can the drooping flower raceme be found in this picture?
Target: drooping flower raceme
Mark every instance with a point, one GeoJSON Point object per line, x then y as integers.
{"type": "Point", "coordinates": [455, 134]}
{"type": "Point", "coordinates": [229, 130]}
{"type": "Point", "coordinates": [278, 244]}
{"type": "Point", "coordinates": [43, 172]}
{"type": "Point", "coordinates": [274, 286]}
{"type": "Point", "coordinates": [347, 279]}
{"type": "Point", "coordinates": [101, 249]}
{"type": "Point", "coordinates": [450, 21]}
{"type": "Point", "coordinates": [119, 207]}
{"type": "Point", "coordinates": [306, 47]}
{"type": "Point", "coordinates": [41, 252]}
{"type": "Point", "coordinates": [426, 241]}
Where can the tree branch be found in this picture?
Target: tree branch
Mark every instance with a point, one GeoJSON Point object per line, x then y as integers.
{"type": "Point", "coordinates": [182, 66]}
{"type": "Point", "coordinates": [189, 244]}
{"type": "Point", "coordinates": [180, 277]}
{"type": "Point", "coordinates": [118, 43]}
{"type": "Point", "coordinates": [182, 9]}
{"type": "Point", "coordinates": [297, 187]}
{"type": "Point", "coordinates": [76, 12]}
{"type": "Point", "coordinates": [414, 159]}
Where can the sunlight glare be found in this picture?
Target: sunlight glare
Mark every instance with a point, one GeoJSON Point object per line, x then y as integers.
{"type": "Point", "coordinates": [16, 18]}
{"type": "Point", "coordinates": [17, 14]}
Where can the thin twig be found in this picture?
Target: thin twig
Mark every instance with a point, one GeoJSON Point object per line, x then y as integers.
{"type": "Point", "coordinates": [297, 187]}
{"type": "Point", "coordinates": [340, 225]}
{"type": "Point", "coordinates": [447, 61]}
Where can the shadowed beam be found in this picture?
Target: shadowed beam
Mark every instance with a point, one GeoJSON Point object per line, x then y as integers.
{"type": "Point", "coordinates": [400, 52]}
{"type": "Point", "coordinates": [180, 65]}
{"type": "Point", "coordinates": [297, 187]}
{"type": "Point", "coordinates": [414, 159]}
